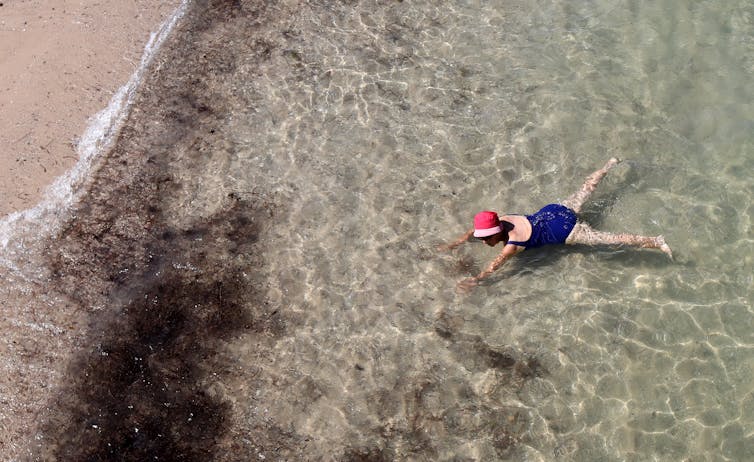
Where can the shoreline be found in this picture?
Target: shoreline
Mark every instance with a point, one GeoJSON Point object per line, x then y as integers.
{"type": "Point", "coordinates": [62, 62]}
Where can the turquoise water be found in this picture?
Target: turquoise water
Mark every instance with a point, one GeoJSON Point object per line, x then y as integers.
{"type": "Point", "coordinates": [373, 131]}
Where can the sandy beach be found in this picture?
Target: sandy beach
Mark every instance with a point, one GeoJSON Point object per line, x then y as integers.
{"type": "Point", "coordinates": [60, 63]}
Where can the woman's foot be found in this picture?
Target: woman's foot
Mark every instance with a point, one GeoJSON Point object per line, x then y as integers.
{"type": "Point", "coordinates": [612, 163]}
{"type": "Point", "coordinates": [662, 245]}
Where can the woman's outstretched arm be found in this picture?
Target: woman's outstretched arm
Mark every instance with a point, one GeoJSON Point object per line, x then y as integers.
{"type": "Point", "coordinates": [458, 242]}
{"type": "Point", "coordinates": [507, 252]}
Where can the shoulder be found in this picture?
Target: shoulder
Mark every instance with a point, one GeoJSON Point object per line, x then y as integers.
{"type": "Point", "coordinates": [521, 227]}
{"type": "Point", "coordinates": [515, 219]}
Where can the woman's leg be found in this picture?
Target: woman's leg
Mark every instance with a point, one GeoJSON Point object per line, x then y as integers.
{"type": "Point", "coordinates": [577, 199]}
{"type": "Point", "coordinates": [585, 234]}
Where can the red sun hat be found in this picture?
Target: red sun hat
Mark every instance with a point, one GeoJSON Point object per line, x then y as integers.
{"type": "Point", "coordinates": [486, 224]}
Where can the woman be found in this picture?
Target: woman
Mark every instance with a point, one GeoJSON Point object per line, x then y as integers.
{"type": "Point", "coordinates": [553, 224]}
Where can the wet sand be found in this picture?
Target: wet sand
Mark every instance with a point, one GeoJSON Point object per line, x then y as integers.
{"type": "Point", "coordinates": [60, 63]}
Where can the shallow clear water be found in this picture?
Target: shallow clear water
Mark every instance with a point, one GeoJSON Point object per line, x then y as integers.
{"type": "Point", "coordinates": [388, 126]}
{"type": "Point", "coordinates": [377, 129]}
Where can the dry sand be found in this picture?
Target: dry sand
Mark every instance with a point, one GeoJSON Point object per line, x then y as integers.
{"type": "Point", "coordinates": [60, 62]}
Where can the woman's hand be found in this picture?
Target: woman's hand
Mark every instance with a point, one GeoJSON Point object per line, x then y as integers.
{"type": "Point", "coordinates": [453, 245]}
{"type": "Point", "coordinates": [465, 285]}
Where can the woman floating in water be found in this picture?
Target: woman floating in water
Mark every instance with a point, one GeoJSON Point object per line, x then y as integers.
{"type": "Point", "coordinates": [553, 224]}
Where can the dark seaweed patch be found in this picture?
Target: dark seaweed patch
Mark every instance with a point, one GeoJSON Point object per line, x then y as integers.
{"type": "Point", "coordinates": [476, 354]}
{"type": "Point", "coordinates": [495, 359]}
{"type": "Point", "coordinates": [529, 368]}
{"type": "Point", "coordinates": [430, 410]}
{"type": "Point", "coordinates": [141, 391]}
{"type": "Point", "coordinates": [367, 454]}
{"type": "Point", "coordinates": [214, 13]}
{"type": "Point", "coordinates": [164, 301]}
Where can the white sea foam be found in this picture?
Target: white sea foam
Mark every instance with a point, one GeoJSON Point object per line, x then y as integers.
{"type": "Point", "coordinates": [19, 230]}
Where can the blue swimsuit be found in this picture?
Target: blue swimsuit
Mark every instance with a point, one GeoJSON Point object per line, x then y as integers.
{"type": "Point", "coordinates": [551, 225]}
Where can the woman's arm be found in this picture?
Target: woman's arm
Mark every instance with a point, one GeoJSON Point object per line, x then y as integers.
{"type": "Point", "coordinates": [508, 251]}
{"type": "Point", "coordinates": [458, 242]}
